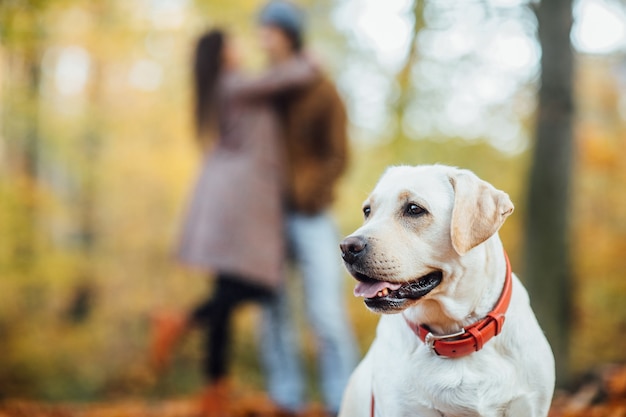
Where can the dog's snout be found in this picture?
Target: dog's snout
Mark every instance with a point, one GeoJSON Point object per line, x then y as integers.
{"type": "Point", "coordinates": [352, 248]}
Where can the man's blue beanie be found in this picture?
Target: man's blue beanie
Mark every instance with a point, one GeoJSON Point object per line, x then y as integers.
{"type": "Point", "coordinates": [283, 14]}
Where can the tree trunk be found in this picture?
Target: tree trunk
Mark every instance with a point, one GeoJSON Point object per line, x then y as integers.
{"type": "Point", "coordinates": [405, 82]}
{"type": "Point", "coordinates": [28, 148]}
{"type": "Point", "coordinates": [547, 242]}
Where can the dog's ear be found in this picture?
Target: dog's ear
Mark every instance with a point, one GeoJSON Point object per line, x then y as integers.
{"type": "Point", "coordinates": [479, 211]}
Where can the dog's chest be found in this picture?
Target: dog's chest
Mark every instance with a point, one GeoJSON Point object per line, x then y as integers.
{"type": "Point", "coordinates": [420, 384]}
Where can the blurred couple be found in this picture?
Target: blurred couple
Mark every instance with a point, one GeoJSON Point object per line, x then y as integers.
{"type": "Point", "coordinates": [262, 196]}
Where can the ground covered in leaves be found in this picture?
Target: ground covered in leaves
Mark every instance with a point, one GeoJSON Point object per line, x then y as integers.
{"type": "Point", "coordinates": [247, 405]}
{"type": "Point", "coordinates": [600, 394]}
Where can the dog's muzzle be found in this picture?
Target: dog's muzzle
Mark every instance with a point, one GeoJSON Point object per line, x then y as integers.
{"type": "Point", "coordinates": [352, 249]}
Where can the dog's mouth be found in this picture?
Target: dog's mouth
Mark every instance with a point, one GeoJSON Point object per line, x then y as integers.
{"type": "Point", "coordinates": [384, 296]}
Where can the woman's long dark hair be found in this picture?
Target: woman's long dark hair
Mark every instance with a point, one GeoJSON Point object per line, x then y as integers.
{"type": "Point", "coordinates": [207, 67]}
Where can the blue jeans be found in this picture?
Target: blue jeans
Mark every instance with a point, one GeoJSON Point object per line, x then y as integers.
{"type": "Point", "coordinates": [314, 244]}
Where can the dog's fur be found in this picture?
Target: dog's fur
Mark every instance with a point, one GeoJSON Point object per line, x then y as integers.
{"type": "Point", "coordinates": [513, 375]}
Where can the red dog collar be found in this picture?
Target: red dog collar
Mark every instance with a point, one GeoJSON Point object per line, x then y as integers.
{"type": "Point", "coordinates": [470, 339]}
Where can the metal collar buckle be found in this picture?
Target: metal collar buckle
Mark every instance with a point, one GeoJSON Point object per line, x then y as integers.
{"type": "Point", "coordinates": [431, 338]}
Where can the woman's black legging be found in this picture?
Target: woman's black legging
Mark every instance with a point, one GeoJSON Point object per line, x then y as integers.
{"type": "Point", "coordinates": [213, 316]}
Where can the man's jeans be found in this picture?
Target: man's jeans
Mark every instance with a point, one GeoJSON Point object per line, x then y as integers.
{"type": "Point", "coordinates": [314, 244]}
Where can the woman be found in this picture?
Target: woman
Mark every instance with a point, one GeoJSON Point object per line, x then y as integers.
{"type": "Point", "coordinates": [233, 229]}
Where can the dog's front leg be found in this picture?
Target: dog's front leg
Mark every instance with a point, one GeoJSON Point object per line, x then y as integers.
{"type": "Point", "coordinates": [356, 400]}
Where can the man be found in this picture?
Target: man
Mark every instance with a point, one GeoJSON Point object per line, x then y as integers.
{"type": "Point", "coordinates": [314, 121]}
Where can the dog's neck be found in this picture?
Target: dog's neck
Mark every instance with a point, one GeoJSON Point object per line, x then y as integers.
{"type": "Point", "coordinates": [476, 282]}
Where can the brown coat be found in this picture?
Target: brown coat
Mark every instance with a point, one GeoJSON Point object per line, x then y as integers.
{"type": "Point", "coordinates": [234, 222]}
{"type": "Point", "coordinates": [315, 122]}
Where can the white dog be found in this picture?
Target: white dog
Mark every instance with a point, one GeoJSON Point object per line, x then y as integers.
{"type": "Point", "coordinates": [429, 258]}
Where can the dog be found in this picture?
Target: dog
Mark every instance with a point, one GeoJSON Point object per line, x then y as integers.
{"type": "Point", "coordinates": [457, 336]}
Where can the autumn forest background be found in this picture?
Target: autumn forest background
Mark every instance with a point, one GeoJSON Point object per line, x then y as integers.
{"type": "Point", "coordinates": [97, 157]}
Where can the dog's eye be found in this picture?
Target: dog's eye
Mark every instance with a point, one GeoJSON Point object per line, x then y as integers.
{"type": "Point", "coordinates": [414, 210]}
{"type": "Point", "coordinates": [366, 211]}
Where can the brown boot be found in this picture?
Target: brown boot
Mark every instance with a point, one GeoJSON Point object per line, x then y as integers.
{"type": "Point", "coordinates": [167, 330]}
{"type": "Point", "coordinates": [215, 399]}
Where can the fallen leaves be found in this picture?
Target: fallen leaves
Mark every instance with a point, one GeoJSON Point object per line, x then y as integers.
{"type": "Point", "coordinates": [602, 394]}
{"type": "Point", "coordinates": [250, 405]}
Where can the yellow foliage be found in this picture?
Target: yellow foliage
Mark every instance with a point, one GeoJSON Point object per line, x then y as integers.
{"type": "Point", "coordinates": [99, 216]}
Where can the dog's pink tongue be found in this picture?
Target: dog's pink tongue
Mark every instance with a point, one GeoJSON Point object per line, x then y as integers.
{"type": "Point", "coordinates": [369, 290]}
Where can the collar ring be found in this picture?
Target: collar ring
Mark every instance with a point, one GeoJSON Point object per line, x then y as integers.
{"type": "Point", "coordinates": [431, 338]}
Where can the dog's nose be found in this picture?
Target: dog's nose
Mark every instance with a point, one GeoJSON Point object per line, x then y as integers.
{"type": "Point", "coordinates": [352, 248]}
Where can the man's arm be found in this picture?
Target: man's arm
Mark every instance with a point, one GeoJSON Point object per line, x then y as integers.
{"type": "Point", "coordinates": [294, 73]}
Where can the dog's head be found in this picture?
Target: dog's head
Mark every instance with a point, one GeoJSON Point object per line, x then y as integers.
{"type": "Point", "coordinates": [420, 222]}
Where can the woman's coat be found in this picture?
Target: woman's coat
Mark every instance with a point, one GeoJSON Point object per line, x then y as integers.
{"type": "Point", "coordinates": [234, 223]}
